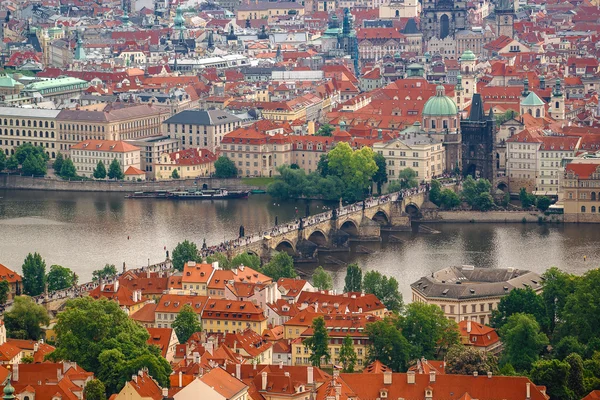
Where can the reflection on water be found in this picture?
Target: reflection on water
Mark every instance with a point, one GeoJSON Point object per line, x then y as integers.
{"type": "Point", "coordinates": [84, 231]}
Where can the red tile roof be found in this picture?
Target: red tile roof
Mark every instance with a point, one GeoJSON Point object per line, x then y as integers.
{"type": "Point", "coordinates": [161, 338]}
{"type": "Point", "coordinates": [9, 275]}
{"type": "Point", "coordinates": [583, 171]}
{"type": "Point", "coordinates": [223, 383]}
{"type": "Point", "coordinates": [111, 146]}
{"type": "Point", "coordinates": [173, 303]}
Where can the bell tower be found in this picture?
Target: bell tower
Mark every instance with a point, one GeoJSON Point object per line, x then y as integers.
{"type": "Point", "coordinates": [505, 18]}
{"type": "Point", "coordinates": [557, 106]}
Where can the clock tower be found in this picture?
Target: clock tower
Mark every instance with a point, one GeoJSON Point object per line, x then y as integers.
{"type": "Point", "coordinates": [505, 18]}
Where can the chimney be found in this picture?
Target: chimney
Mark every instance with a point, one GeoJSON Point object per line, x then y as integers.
{"type": "Point", "coordinates": [528, 390]}
{"type": "Point", "coordinates": [264, 380]}
{"type": "Point", "coordinates": [165, 393]}
{"type": "Point", "coordinates": [469, 326]}
{"type": "Point", "coordinates": [280, 364]}
{"type": "Point", "coordinates": [475, 374]}
{"type": "Point", "coordinates": [309, 376]}
{"type": "Point", "coordinates": [489, 374]}
{"type": "Point", "coordinates": [116, 285]}
{"type": "Point", "coordinates": [36, 347]}
{"type": "Point", "coordinates": [432, 376]}
{"type": "Point", "coordinates": [410, 377]}
{"type": "Point", "coordinates": [180, 379]}
{"type": "Point", "coordinates": [59, 375]}
{"type": "Point", "coordinates": [238, 371]}
{"type": "Point", "coordinates": [387, 378]}
{"type": "Point", "coordinates": [134, 378]}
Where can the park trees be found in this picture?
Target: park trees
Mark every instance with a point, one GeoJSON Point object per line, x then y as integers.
{"type": "Point", "coordinates": [225, 168]}
{"type": "Point", "coordinates": [464, 360]}
{"type": "Point", "coordinates": [115, 171]}
{"type": "Point", "coordinates": [449, 199]}
{"type": "Point", "coordinates": [322, 279]}
{"type": "Point", "coordinates": [527, 199]}
{"type": "Point", "coordinates": [185, 251]}
{"type": "Point", "coordinates": [386, 289]}
{"type": "Point", "coordinates": [68, 170]}
{"type": "Point", "coordinates": [435, 192]}
{"type": "Point", "coordinates": [34, 164]}
{"type": "Point", "coordinates": [4, 291]}
{"type": "Point", "coordinates": [581, 312]}
{"type": "Point", "coordinates": [106, 272]}
{"type": "Point", "coordinates": [387, 344]}
{"type": "Point", "coordinates": [12, 164]}
{"type": "Point", "coordinates": [523, 341]}
{"type": "Point", "coordinates": [407, 178]}
{"type": "Point", "coordinates": [543, 203]}
{"type": "Point", "coordinates": [348, 357]}
{"type": "Point", "coordinates": [175, 174]}
{"type": "Point", "coordinates": [186, 323]}
{"type": "Point", "coordinates": [34, 274]}
{"type": "Point", "coordinates": [325, 130]}
{"type": "Point", "coordinates": [353, 280]}
{"type": "Point", "coordinates": [58, 163]}
{"type": "Point", "coordinates": [60, 278]}
{"type": "Point", "coordinates": [2, 161]}
{"type": "Point", "coordinates": [380, 177]}
{"type": "Point", "coordinates": [100, 337]}
{"type": "Point", "coordinates": [520, 301]}
{"type": "Point", "coordinates": [318, 343]}
{"type": "Point", "coordinates": [100, 170]}
{"type": "Point", "coordinates": [476, 193]}
{"type": "Point", "coordinates": [554, 375]}
{"type": "Point", "coordinates": [94, 390]}
{"type": "Point", "coordinates": [558, 286]}
{"type": "Point", "coordinates": [280, 266]}
{"type": "Point", "coordinates": [25, 319]}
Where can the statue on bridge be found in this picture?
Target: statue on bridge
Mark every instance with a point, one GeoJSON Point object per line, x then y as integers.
{"type": "Point", "coordinates": [301, 224]}
{"type": "Point", "coordinates": [204, 244]}
{"type": "Point", "coordinates": [276, 221]}
{"type": "Point", "coordinates": [307, 211]}
{"type": "Point", "coordinates": [334, 214]}
{"type": "Point", "coordinates": [242, 231]}
{"type": "Point", "coordinates": [364, 205]}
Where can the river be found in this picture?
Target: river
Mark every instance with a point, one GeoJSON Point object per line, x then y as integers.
{"type": "Point", "coordinates": [84, 231]}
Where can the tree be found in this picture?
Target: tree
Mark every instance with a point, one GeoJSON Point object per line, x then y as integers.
{"type": "Point", "coordinates": [322, 280]}
{"type": "Point", "coordinates": [34, 274]}
{"type": "Point", "coordinates": [575, 377]}
{"type": "Point", "coordinates": [221, 258]}
{"type": "Point", "coordinates": [568, 345]}
{"type": "Point", "coordinates": [325, 130]}
{"type": "Point", "coordinates": [175, 174]}
{"type": "Point", "coordinates": [101, 338]}
{"type": "Point", "coordinates": [34, 164]}
{"type": "Point", "coordinates": [185, 251]}
{"type": "Point", "coordinates": [353, 280]}
{"type": "Point", "coordinates": [27, 360]}
{"type": "Point", "coordinates": [407, 178]}
{"type": "Point", "coordinates": [506, 116]}
{"type": "Point", "coordinates": [25, 318]}
{"type": "Point", "coordinates": [428, 330]}
{"type": "Point", "coordinates": [106, 272]}
{"type": "Point", "coordinates": [506, 199]}
{"type": "Point", "coordinates": [348, 357]}
{"type": "Point", "coordinates": [581, 313]}
{"type": "Point", "coordinates": [68, 170]}
{"type": "Point", "coordinates": [25, 150]}
{"type": "Point", "coordinates": [100, 171]}
{"type": "Point", "coordinates": [280, 266]}
{"type": "Point", "coordinates": [523, 341]}
{"type": "Point", "coordinates": [554, 375]}
{"type": "Point", "coordinates": [2, 161]}
{"type": "Point", "coordinates": [225, 168]}
{"type": "Point", "coordinates": [4, 291]}
{"type": "Point", "coordinates": [463, 360]}
{"type": "Point", "coordinates": [58, 163]}
{"type": "Point", "coordinates": [290, 184]}
{"type": "Point", "coordinates": [355, 168]}
{"type": "Point", "coordinates": [558, 285]}
{"type": "Point", "coordinates": [380, 177]}
{"type": "Point", "coordinates": [318, 343]}
{"type": "Point", "coordinates": [385, 289]}
{"type": "Point", "coordinates": [472, 190]}
{"type": "Point", "coordinates": [186, 324]}
{"type": "Point", "coordinates": [115, 171]}
{"type": "Point", "coordinates": [387, 345]}
{"type": "Point", "coordinates": [94, 390]}
{"type": "Point", "coordinates": [435, 192]}
{"type": "Point", "coordinates": [520, 301]}
{"type": "Point", "coordinates": [543, 203]}
{"type": "Point", "coordinates": [12, 163]}
{"type": "Point", "coordinates": [248, 260]}
{"type": "Point", "coordinates": [527, 199]}
{"type": "Point", "coordinates": [323, 166]}
{"type": "Point", "coordinates": [60, 278]}
{"type": "Point", "coordinates": [484, 202]}
{"type": "Point", "coordinates": [449, 199]}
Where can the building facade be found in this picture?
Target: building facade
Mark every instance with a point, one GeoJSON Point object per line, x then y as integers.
{"type": "Point", "coordinates": [87, 154]}
{"type": "Point", "coordinates": [25, 125]}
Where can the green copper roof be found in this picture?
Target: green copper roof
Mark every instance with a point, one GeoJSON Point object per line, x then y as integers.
{"type": "Point", "coordinates": [532, 100]}
{"type": "Point", "coordinates": [53, 83]}
{"type": "Point", "coordinates": [7, 81]}
{"type": "Point", "coordinates": [440, 104]}
{"type": "Point", "coordinates": [179, 20]}
{"type": "Point", "coordinates": [468, 55]}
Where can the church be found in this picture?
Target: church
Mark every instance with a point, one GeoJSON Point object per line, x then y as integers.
{"type": "Point", "coordinates": [442, 18]}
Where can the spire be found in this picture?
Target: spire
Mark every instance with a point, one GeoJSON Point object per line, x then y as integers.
{"type": "Point", "coordinates": [491, 114]}
{"type": "Point", "coordinates": [557, 92]}
{"type": "Point", "coordinates": [476, 108]}
{"type": "Point", "coordinates": [440, 90]}
{"type": "Point", "coordinates": [525, 88]}
{"type": "Point", "coordinates": [9, 390]}
{"type": "Point", "coordinates": [458, 83]}
{"type": "Point", "coordinates": [79, 51]}
{"type": "Point", "coordinates": [278, 56]}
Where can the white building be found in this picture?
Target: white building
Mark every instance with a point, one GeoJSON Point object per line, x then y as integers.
{"type": "Point", "coordinates": [87, 154]}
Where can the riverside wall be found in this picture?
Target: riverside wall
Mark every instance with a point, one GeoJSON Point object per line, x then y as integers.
{"type": "Point", "coordinates": [493, 216]}
{"type": "Point", "coordinates": [9, 181]}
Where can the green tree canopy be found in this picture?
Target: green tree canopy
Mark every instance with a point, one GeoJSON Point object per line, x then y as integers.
{"type": "Point", "coordinates": [100, 171]}
{"type": "Point", "coordinates": [115, 171]}
{"type": "Point", "coordinates": [380, 177]}
{"type": "Point", "coordinates": [523, 341]}
{"type": "Point", "coordinates": [575, 381]}
{"type": "Point", "coordinates": [26, 150]}
{"type": "Point", "coordinates": [4, 291]}
{"type": "Point", "coordinates": [527, 199]}
{"type": "Point", "coordinates": [554, 375]}
{"type": "Point", "coordinates": [449, 199]}
{"type": "Point", "coordinates": [348, 357]}
{"type": "Point", "coordinates": [318, 343]}
{"type": "Point", "coordinates": [325, 130]}
{"type": "Point", "coordinates": [407, 178]}
{"type": "Point", "coordinates": [245, 259]}
{"type": "Point", "coordinates": [280, 266]}
{"type": "Point", "coordinates": [60, 278]}
{"type": "Point", "coordinates": [58, 163]}
{"type": "Point", "coordinates": [543, 203]}
{"type": "Point", "coordinates": [353, 280]}
{"type": "Point", "coordinates": [94, 390]}
{"type": "Point", "coordinates": [520, 301]}
{"type": "Point", "coordinates": [34, 164]}
{"type": "Point", "coordinates": [428, 330]}
{"type": "Point", "coordinates": [106, 272]}
{"type": "Point", "coordinates": [68, 171]}
{"type": "Point", "coordinates": [290, 184]}
{"type": "Point", "coordinates": [175, 174]}
{"type": "Point", "coordinates": [355, 168]}
{"type": "Point", "coordinates": [102, 339]}
{"type": "Point", "coordinates": [221, 258]}
{"type": "Point", "coordinates": [322, 279]}
{"type": "Point", "coordinates": [384, 288]}
{"type": "Point", "coordinates": [568, 345]}
{"type": "Point", "coordinates": [473, 189]}
{"type": "Point", "coordinates": [25, 319]}
{"type": "Point", "coordinates": [581, 313]}
{"type": "Point", "coordinates": [464, 360]}
{"type": "Point", "coordinates": [387, 345]}
{"type": "Point", "coordinates": [186, 324]}
{"type": "Point", "coordinates": [2, 161]}
{"type": "Point", "coordinates": [185, 251]}
{"type": "Point", "coordinates": [12, 163]}
{"type": "Point", "coordinates": [558, 286]}
{"type": "Point", "coordinates": [34, 274]}
{"type": "Point", "coordinates": [225, 168]}
{"type": "Point", "coordinates": [435, 192]}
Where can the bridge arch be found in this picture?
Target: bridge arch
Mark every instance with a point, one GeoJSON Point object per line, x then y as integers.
{"type": "Point", "coordinates": [286, 246]}
{"type": "Point", "coordinates": [252, 253]}
{"type": "Point", "coordinates": [412, 210]}
{"type": "Point", "coordinates": [502, 186]}
{"type": "Point", "coordinates": [318, 237]}
{"type": "Point", "coordinates": [350, 227]}
{"type": "Point", "coordinates": [381, 217]}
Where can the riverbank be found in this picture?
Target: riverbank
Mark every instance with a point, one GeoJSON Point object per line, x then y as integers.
{"type": "Point", "coordinates": [493, 216]}
{"type": "Point", "coordinates": [18, 182]}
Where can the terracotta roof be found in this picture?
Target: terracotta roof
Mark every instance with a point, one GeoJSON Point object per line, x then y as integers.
{"type": "Point", "coordinates": [145, 314]}
{"type": "Point", "coordinates": [146, 386]}
{"type": "Point", "coordinates": [161, 338]}
{"type": "Point", "coordinates": [197, 273]}
{"type": "Point", "coordinates": [8, 352]}
{"type": "Point", "coordinates": [232, 310]}
{"type": "Point", "coordinates": [9, 275]}
{"type": "Point", "coordinates": [111, 146]}
{"type": "Point", "coordinates": [583, 171]}
{"type": "Point", "coordinates": [173, 303]}
{"type": "Point", "coordinates": [252, 343]}
{"type": "Point", "coordinates": [134, 171]}
{"type": "Point", "coordinates": [479, 336]}
{"type": "Point", "coordinates": [122, 295]}
{"type": "Point", "coordinates": [376, 367]}
{"type": "Point", "coordinates": [355, 302]}
{"type": "Point", "coordinates": [223, 383]}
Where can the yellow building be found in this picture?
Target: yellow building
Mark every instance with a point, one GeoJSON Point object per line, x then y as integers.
{"type": "Point", "coordinates": [169, 306]}
{"type": "Point", "coordinates": [189, 163]}
{"type": "Point", "coordinates": [270, 11]}
{"type": "Point", "coordinates": [141, 387]}
{"type": "Point", "coordinates": [294, 327]}
{"type": "Point", "coordinates": [23, 125]}
{"type": "Point", "coordinates": [225, 316]}
{"type": "Point", "coordinates": [581, 191]}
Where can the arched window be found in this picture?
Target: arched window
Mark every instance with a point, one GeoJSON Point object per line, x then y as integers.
{"type": "Point", "coordinates": [593, 196]}
{"type": "Point", "coordinates": [593, 209]}
{"type": "Point", "coordinates": [557, 105]}
{"type": "Point", "coordinates": [582, 209]}
{"type": "Point", "coordinates": [432, 124]}
{"type": "Point", "coordinates": [537, 113]}
{"type": "Point", "coordinates": [529, 112]}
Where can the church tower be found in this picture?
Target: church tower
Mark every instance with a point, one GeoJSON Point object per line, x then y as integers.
{"type": "Point", "coordinates": [505, 18]}
{"type": "Point", "coordinates": [442, 18]}
{"type": "Point", "coordinates": [557, 106]}
{"type": "Point", "coordinates": [468, 61]}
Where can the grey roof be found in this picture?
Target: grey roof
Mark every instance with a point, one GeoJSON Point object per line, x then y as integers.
{"type": "Point", "coordinates": [467, 282]}
{"type": "Point", "coordinates": [202, 117]}
{"type": "Point", "coordinates": [28, 112]}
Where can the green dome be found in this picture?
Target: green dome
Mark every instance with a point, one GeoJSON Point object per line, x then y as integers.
{"type": "Point", "coordinates": [9, 391]}
{"type": "Point", "coordinates": [468, 55]}
{"type": "Point", "coordinates": [179, 21]}
{"type": "Point", "coordinates": [440, 105]}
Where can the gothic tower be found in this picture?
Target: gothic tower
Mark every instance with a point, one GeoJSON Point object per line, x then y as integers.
{"type": "Point", "coordinates": [442, 18]}
{"type": "Point", "coordinates": [478, 141]}
{"type": "Point", "coordinates": [505, 18]}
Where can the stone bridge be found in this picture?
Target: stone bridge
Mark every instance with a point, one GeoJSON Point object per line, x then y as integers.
{"type": "Point", "coordinates": [325, 230]}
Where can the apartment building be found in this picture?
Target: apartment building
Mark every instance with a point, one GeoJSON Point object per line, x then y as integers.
{"type": "Point", "coordinates": [553, 150]}
{"type": "Point", "coordinates": [87, 154]}
{"type": "Point", "coordinates": [522, 160]}
{"type": "Point", "coordinates": [581, 191]}
{"type": "Point", "coordinates": [195, 277]}
{"type": "Point", "coordinates": [189, 163]}
{"type": "Point", "coordinates": [28, 125]}
{"type": "Point", "coordinates": [225, 316]}
{"type": "Point", "coordinates": [170, 305]}
{"type": "Point", "coordinates": [469, 293]}
{"type": "Point", "coordinates": [151, 149]}
{"type": "Point", "coordinates": [108, 122]}
{"type": "Point", "coordinates": [201, 128]}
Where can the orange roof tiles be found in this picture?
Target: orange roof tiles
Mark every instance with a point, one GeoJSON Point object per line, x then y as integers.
{"type": "Point", "coordinates": [197, 273]}
{"type": "Point", "coordinates": [583, 171]}
{"type": "Point", "coordinates": [112, 146]}
{"type": "Point", "coordinates": [223, 383]}
{"type": "Point", "coordinates": [9, 275]}
{"type": "Point", "coordinates": [173, 303]}
{"type": "Point", "coordinates": [145, 314]}
{"type": "Point", "coordinates": [479, 336]}
{"type": "Point", "coordinates": [232, 310]}
{"type": "Point", "coordinates": [161, 338]}
{"type": "Point", "coordinates": [252, 343]}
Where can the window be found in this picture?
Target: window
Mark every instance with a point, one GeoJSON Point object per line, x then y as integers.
{"type": "Point", "coordinates": [582, 209]}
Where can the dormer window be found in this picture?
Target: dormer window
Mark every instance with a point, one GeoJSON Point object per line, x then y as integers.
{"type": "Point", "coordinates": [383, 394]}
